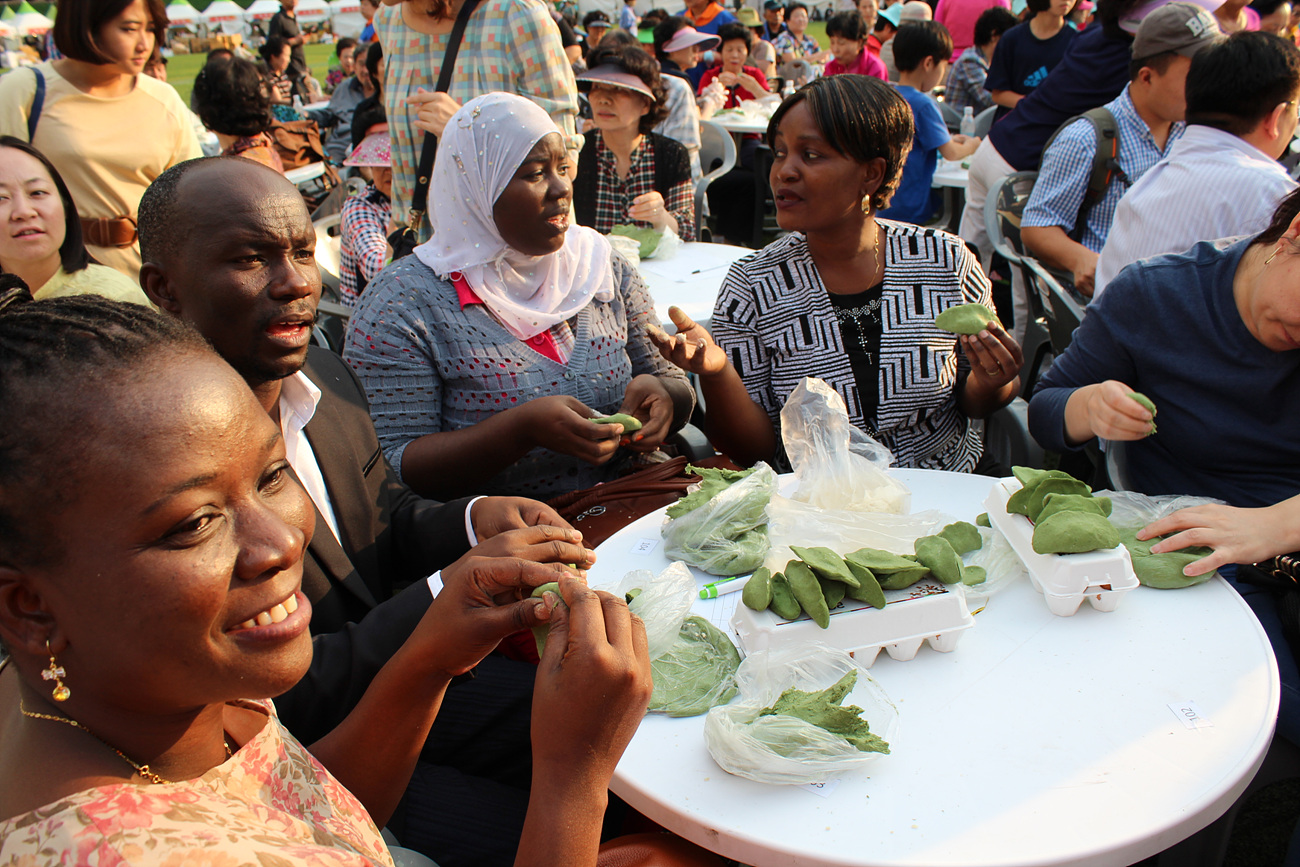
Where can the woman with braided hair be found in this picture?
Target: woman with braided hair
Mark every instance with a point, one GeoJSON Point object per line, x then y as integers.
{"type": "Point", "coordinates": [151, 547]}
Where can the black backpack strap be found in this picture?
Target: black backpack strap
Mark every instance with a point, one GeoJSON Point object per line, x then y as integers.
{"type": "Point", "coordinates": [420, 195]}
{"type": "Point", "coordinates": [1105, 161]}
{"type": "Point", "coordinates": [38, 103]}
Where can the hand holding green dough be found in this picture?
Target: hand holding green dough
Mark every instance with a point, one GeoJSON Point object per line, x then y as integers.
{"type": "Point", "coordinates": [1145, 402]}
{"type": "Point", "coordinates": [540, 632]}
{"type": "Point", "coordinates": [965, 319]}
{"type": "Point", "coordinates": [628, 422]}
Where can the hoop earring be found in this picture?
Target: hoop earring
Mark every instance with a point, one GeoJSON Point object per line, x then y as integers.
{"type": "Point", "coordinates": [54, 673]}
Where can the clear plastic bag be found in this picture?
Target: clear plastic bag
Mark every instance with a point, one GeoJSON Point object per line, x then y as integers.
{"type": "Point", "coordinates": [727, 535]}
{"type": "Point", "coordinates": [694, 663]}
{"type": "Point", "coordinates": [782, 749]}
{"type": "Point", "coordinates": [629, 247]}
{"type": "Point", "coordinates": [838, 466]}
{"type": "Point", "coordinates": [663, 603]}
{"type": "Point", "coordinates": [1001, 564]}
{"type": "Point", "coordinates": [790, 522]}
{"type": "Point", "coordinates": [669, 244]}
{"type": "Point", "coordinates": [1130, 512]}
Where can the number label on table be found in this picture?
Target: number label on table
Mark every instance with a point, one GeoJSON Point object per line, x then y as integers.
{"type": "Point", "coordinates": [645, 546]}
{"type": "Point", "coordinates": [1190, 715]}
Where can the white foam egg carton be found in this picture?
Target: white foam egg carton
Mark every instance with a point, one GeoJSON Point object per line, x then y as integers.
{"type": "Point", "coordinates": [926, 611]}
{"type": "Point", "coordinates": [1065, 580]}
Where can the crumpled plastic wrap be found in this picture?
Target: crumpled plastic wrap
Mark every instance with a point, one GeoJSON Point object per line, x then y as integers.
{"type": "Point", "coordinates": [838, 466]}
{"type": "Point", "coordinates": [790, 522]}
{"type": "Point", "coordinates": [698, 672]}
{"type": "Point", "coordinates": [782, 749]}
{"type": "Point", "coordinates": [1131, 511]}
{"type": "Point", "coordinates": [692, 662]}
{"type": "Point", "coordinates": [727, 535]}
{"type": "Point", "coordinates": [1002, 566]}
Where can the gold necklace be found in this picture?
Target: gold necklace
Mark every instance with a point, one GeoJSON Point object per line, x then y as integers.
{"type": "Point", "coordinates": [142, 770]}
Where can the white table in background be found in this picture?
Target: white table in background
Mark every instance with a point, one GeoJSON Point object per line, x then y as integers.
{"type": "Point", "coordinates": [950, 173]}
{"type": "Point", "coordinates": [690, 279]}
{"type": "Point", "coordinates": [1040, 740]}
{"type": "Point", "coordinates": [739, 124]}
{"type": "Point", "coordinates": [302, 174]}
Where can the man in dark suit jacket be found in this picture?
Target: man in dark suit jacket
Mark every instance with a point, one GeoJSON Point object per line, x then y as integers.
{"type": "Point", "coordinates": [228, 246]}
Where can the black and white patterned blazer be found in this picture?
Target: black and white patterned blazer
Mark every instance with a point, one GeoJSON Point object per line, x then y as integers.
{"type": "Point", "coordinates": [775, 321]}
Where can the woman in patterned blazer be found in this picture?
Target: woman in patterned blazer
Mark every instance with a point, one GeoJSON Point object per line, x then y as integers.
{"type": "Point", "coordinates": [848, 298]}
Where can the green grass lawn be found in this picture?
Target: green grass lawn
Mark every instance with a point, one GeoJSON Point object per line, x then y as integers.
{"type": "Point", "coordinates": [182, 68]}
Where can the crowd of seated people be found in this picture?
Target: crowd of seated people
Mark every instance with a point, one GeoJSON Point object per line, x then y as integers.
{"type": "Point", "coordinates": [316, 550]}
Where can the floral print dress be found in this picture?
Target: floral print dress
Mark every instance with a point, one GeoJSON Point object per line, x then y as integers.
{"type": "Point", "coordinates": [270, 803]}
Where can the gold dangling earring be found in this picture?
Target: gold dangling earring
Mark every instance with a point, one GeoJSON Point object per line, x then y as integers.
{"type": "Point", "coordinates": [54, 672]}
{"type": "Point", "coordinates": [1272, 255]}
{"type": "Point", "coordinates": [866, 204]}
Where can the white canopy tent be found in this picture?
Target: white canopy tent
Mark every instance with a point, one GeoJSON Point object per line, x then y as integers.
{"type": "Point", "coordinates": [262, 10]}
{"type": "Point", "coordinates": [31, 23]}
{"type": "Point", "coordinates": [182, 14]}
{"type": "Point", "coordinates": [347, 18]}
{"type": "Point", "coordinates": [312, 11]}
{"type": "Point", "coordinates": [224, 16]}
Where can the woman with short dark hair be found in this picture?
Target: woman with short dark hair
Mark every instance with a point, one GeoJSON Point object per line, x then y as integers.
{"type": "Point", "coordinates": [628, 174]}
{"type": "Point", "coordinates": [277, 59]}
{"type": "Point", "coordinates": [848, 298]}
{"type": "Point", "coordinates": [109, 129]}
{"type": "Point", "coordinates": [741, 81]}
{"type": "Point", "coordinates": [233, 101]}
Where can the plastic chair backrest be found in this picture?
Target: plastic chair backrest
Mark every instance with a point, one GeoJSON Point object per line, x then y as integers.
{"type": "Point", "coordinates": [1063, 309]}
{"type": "Point", "coordinates": [951, 118]}
{"type": "Point", "coordinates": [1003, 207]}
{"type": "Point", "coordinates": [984, 121]}
{"type": "Point", "coordinates": [329, 246]}
{"type": "Point", "coordinates": [715, 144]}
{"type": "Point", "coordinates": [763, 196]}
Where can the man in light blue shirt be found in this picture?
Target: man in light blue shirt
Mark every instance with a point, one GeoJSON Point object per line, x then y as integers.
{"type": "Point", "coordinates": [1222, 178]}
{"type": "Point", "coordinates": [1149, 117]}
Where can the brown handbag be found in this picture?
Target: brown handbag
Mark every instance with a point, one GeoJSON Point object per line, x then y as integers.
{"type": "Point", "coordinates": [298, 144]}
{"type": "Point", "coordinates": [602, 511]}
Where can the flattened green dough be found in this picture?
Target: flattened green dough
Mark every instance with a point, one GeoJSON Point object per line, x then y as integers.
{"type": "Point", "coordinates": [963, 537]}
{"type": "Point", "coordinates": [1054, 503]}
{"type": "Point", "coordinates": [903, 578]}
{"type": "Point", "coordinates": [965, 319]}
{"type": "Point", "coordinates": [1145, 403]}
{"type": "Point", "coordinates": [1163, 571]}
{"type": "Point", "coordinates": [832, 592]}
{"type": "Point", "coordinates": [879, 561]}
{"type": "Point", "coordinates": [540, 633]}
{"type": "Point", "coordinates": [1074, 533]}
{"type": "Point", "coordinates": [783, 602]}
{"type": "Point", "coordinates": [823, 710]}
{"type": "Point", "coordinates": [870, 591]}
{"type": "Point", "coordinates": [982, 520]}
{"type": "Point", "coordinates": [628, 422]}
{"type": "Point", "coordinates": [937, 555]}
{"type": "Point", "coordinates": [1018, 503]}
{"type": "Point", "coordinates": [758, 589]}
{"type": "Point", "coordinates": [806, 589]}
{"type": "Point", "coordinates": [826, 563]}
{"type": "Point", "coordinates": [972, 575]}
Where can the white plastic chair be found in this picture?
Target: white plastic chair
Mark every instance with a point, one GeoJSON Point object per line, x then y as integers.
{"type": "Point", "coordinates": [329, 245]}
{"type": "Point", "coordinates": [715, 144]}
{"type": "Point", "coordinates": [984, 121]}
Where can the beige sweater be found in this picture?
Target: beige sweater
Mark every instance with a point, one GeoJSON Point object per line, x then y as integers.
{"type": "Point", "coordinates": [108, 150]}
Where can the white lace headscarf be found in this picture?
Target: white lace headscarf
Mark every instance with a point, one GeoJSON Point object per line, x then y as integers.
{"type": "Point", "coordinates": [482, 147]}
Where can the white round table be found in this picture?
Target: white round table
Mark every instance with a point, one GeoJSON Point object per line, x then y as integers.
{"type": "Point", "coordinates": [950, 173]}
{"type": "Point", "coordinates": [1040, 740]}
{"type": "Point", "coordinates": [737, 124]}
{"type": "Point", "coordinates": [690, 279]}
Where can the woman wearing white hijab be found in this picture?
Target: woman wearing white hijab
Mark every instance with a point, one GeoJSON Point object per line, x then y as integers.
{"type": "Point", "coordinates": [487, 354]}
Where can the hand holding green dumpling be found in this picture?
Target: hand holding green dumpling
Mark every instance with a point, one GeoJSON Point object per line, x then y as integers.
{"type": "Point", "coordinates": [965, 319]}
{"type": "Point", "coordinates": [629, 423]}
{"type": "Point", "coordinates": [1145, 402]}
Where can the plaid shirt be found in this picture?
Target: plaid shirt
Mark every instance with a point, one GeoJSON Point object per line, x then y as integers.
{"type": "Point", "coordinates": [614, 195]}
{"type": "Point", "coordinates": [364, 241]}
{"type": "Point", "coordinates": [966, 82]}
{"type": "Point", "coordinates": [509, 45]}
{"type": "Point", "coordinates": [1063, 179]}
